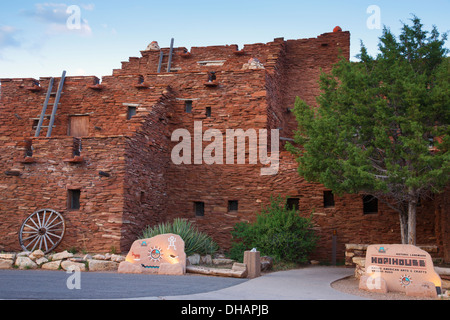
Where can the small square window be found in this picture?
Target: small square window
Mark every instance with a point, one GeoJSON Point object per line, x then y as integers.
{"type": "Point", "coordinates": [208, 112]}
{"type": "Point", "coordinates": [370, 204]}
{"type": "Point", "coordinates": [292, 203]}
{"type": "Point", "coordinates": [233, 205]}
{"type": "Point", "coordinates": [74, 199]}
{"type": "Point", "coordinates": [328, 199]}
{"type": "Point", "coordinates": [131, 112]}
{"type": "Point", "coordinates": [199, 208]}
{"type": "Point", "coordinates": [188, 106]}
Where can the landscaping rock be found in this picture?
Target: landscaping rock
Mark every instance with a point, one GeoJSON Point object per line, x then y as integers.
{"type": "Point", "coordinates": [60, 256]}
{"type": "Point", "coordinates": [41, 261]}
{"type": "Point", "coordinates": [194, 259]}
{"type": "Point", "coordinates": [117, 258]}
{"type": "Point", "coordinates": [102, 265]}
{"type": "Point", "coordinates": [36, 254]}
{"type": "Point", "coordinates": [6, 263]}
{"type": "Point", "coordinates": [266, 263]}
{"type": "Point", "coordinates": [207, 259]}
{"type": "Point", "coordinates": [87, 257]}
{"type": "Point", "coordinates": [23, 254]}
{"type": "Point", "coordinates": [70, 265]}
{"type": "Point", "coordinates": [99, 257]}
{"type": "Point", "coordinates": [52, 265]}
{"type": "Point", "coordinates": [25, 263]}
{"type": "Point", "coordinates": [8, 256]}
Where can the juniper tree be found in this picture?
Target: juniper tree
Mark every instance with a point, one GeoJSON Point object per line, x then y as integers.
{"type": "Point", "coordinates": [381, 126]}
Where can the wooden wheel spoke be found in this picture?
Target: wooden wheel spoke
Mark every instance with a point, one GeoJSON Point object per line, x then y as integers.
{"type": "Point", "coordinates": [48, 219]}
{"type": "Point", "coordinates": [54, 225]}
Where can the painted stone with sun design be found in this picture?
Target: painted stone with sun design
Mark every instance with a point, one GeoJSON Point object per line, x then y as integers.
{"type": "Point", "coordinates": [162, 254]}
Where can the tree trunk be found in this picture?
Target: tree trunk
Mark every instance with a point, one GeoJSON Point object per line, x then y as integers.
{"type": "Point", "coordinates": [404, 225]}
{"type": "Point", "coordinates": [412, 208]}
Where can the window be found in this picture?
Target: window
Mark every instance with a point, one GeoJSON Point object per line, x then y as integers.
{"type": "Point", "coordinates": [292, 203]}
{"type": "Point", "coordinates": [188, 106]}
{"type": "Point", "coordinates": [208, 112]}
{"type": "Point", "coordinates": [131, 112]}
{"type": "Point", "coordinates": [328, 199]}
{"type": "Point", "coordinates": [74, 199]}
{"type": "Point", "coordinates": [232, 205]}
{"type": "Point", "coordinates": [199, 208]}
{"type": "Point", "coordinates": [370, 204]}
{"type": "Point", "coordinates": [79, 126]}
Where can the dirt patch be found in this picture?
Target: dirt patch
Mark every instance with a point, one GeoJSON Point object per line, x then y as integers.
{"type": "Point", "coordinates": [350, 284]}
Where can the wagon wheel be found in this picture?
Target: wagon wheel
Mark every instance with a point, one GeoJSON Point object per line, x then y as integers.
{"type": "Point", "coordinates": [43, 229]}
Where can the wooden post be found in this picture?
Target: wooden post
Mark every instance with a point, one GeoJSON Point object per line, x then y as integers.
{"type": "Point", "coordinates": [253, 261]}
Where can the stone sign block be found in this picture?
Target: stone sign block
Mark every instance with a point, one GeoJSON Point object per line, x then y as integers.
{"type": "Point", "coordinates": [162, 254]}
{"type": "Point", "coordinates": [400, 266]}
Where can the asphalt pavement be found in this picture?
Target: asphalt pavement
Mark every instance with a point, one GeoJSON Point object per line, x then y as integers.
{"type": "Point", "coordinates": [309, 283]}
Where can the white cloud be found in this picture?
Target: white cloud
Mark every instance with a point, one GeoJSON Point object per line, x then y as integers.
{"type": "Point", "coordinates": [7, 37]}
{"type": "Point", "coordinates": [62, 18]}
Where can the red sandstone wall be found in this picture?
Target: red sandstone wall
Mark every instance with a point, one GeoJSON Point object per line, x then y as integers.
{"type": "Point", "coordinates": [145, 187]}
{"type": "Point", "coordinates": [45, 184]}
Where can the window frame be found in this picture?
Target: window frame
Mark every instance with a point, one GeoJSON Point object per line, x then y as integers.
{"type": "Point", "coordinates": [71, 195]}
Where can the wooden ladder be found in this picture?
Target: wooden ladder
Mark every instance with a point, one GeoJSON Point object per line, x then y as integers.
{"type": "Point", "coordinates": [162, 55]}
{"type": "Point", "coordinates": [46, 104]}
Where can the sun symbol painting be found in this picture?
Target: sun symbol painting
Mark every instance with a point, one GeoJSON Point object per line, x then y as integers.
{"type": "Point", "coordinates": [155, 254]}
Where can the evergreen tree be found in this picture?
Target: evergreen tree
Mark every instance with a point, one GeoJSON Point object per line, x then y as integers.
{"type": "Point", "coordinates": [382, 124]}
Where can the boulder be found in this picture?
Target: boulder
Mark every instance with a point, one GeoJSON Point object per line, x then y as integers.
{"type": "Point", "coordinates": [424, 289]}
{"type": "Point", "coordinates": [175, 269]}
{"type": "Point", "coordinates": [41, 261]}
{"type": "Point", "coordinates": [36, 254]}
{"type": "Point", "coordinates": [61, 255]}
{"type": "Point", "coordinates": [100, 257]}
{"type": "Point", "coordinates": [7, 256]}
{"type": "Point", "coordinates": [70, 265]}
{"type": "Point", "coordinates": [266, 263]}
{"type": "Point", "coordinates": [128, 267]}
{"type": "Point", "coordinates": [207, 259]}
{"type": "Point", "coordinates": [52, 265]}
{"type": "Point", "coordinates": [117, 258]}
{"type": "Point", "coordinates": [194, 259]}
{"type": "Point", "coordinates": [373, 284]}
{"type": "Point", "coordinates": [6, 263]}
{"type": "Point", "coordinates": [149, 254]}
{"type": "Point", "coordinates": [25, 263]}
{"type": "Point", "coordinates": [103, 265]}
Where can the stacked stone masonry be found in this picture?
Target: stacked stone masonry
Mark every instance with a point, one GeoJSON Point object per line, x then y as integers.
{"type": "Point", "coordinates": [142, 186]}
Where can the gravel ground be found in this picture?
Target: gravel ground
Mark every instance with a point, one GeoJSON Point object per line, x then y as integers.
{"type": "Point", "coordinates": [349, 285]}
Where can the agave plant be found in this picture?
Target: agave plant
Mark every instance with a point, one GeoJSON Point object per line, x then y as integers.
{"type": "Point", "coordinates": [194, 240]}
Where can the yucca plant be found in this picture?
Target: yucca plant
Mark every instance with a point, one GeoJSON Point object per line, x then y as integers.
{"type": "Point", "coordinates": [194, 240]}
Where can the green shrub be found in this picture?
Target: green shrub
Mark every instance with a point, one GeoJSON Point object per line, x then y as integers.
{"type": "Point", "coordinates": [277, 232]}
{"type": "Point", "coordinates": [194, 241]}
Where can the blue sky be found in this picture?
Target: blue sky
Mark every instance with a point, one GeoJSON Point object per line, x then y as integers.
{"type": "Point", "coordinates": [35, 40]}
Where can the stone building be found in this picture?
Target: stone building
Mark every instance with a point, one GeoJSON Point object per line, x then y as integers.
{"type": "Point", "coordinates": [106, 166]}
